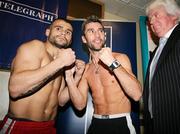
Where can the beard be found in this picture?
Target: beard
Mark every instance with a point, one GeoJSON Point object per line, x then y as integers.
{"type": "Point", "coordinates": [93, 48]}
{"type": "Point", "coordinates": [58, 44]}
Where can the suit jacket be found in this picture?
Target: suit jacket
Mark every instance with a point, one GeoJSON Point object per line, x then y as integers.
{"type": "Point", "coordinates": [165, 89]}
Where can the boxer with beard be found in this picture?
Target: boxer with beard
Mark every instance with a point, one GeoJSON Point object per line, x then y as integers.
{"type": "Point", "coordinates": [36, 84]}
{"type": "Point", "coordinates": [110, 79]}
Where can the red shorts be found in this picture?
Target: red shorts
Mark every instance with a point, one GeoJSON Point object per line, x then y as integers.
{"type": "Point", "coordinates": [15, 126]}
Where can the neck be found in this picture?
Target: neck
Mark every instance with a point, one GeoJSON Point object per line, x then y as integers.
{"type": "Point", "coordinates": [95, 57]}
{"type": "Point", "coordinates": [52, 50]}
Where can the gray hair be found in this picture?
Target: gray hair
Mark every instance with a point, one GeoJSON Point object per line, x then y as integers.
{"type": "Point", "coordinates": [170, 6]}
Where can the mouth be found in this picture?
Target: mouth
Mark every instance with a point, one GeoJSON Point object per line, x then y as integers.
{"type": "Point", "coordinates": [97, 41]}
{"type": "Point", "coordinates": [156, 27]}
{"type": "Point", "coordinates": [60, 37]}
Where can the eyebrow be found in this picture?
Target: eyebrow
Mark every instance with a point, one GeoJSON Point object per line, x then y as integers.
{"type": "Point", "coordinates": [63, 27]}
{"type": "Point", "coordinates": [94, 29]}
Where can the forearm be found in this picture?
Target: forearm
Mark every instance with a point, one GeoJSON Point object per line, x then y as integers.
{"type": "Point", "coordinates": [77, 78]}
{"type": "Point", "coordinates": [24, 83]}
{"type": "Point", "coordinates": [76, 96]}
{"type": "Point", "coordinates": [63, 96]}
{"type": "Point", "coordinates": [129, 83]}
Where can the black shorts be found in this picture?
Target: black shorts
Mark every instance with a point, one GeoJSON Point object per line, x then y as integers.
{"type": "Point", "coordinates": [120, 125]}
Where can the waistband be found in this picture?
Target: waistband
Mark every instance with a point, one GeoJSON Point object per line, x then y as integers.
{"type": "Point", "coordinates": [9, 124]}
{"type": "Point", "coordinates": [26, 122]}
{"type": "Point", "coordinates": [112, 116]}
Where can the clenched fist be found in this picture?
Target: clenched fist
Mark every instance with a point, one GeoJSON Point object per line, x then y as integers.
{"type": "Point", "coordinates": [105, 55]}
{"type": "Point", "coordinates": [66, 56]}
{"type": "Point", "coordinates": [79, 66]}
{"type": "Point", "coordinates": [77, 69]}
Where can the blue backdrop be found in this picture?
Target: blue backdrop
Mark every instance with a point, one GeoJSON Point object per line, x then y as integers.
{"type": "Point", "coordinates": [24, 20]}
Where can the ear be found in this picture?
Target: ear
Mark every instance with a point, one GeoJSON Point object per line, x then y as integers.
{"type": "Point", "coordinates": [83, 39]}
{"type": "Point", "coordinates": [47, 32]}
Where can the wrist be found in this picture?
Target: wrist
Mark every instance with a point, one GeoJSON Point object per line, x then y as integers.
{"type": "Point", "coordinates": [115, 64]}
{"type": "Point", "coordinates": [69, 80]}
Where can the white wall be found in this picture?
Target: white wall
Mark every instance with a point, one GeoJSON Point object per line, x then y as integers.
{"type": "Point", "coordinates": [4, 96]}
{"type": "Point", "coordinates": [110, 16]}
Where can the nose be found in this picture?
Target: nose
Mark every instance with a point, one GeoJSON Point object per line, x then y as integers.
{"type": "Point", "coordinates": [62, 32]}
{"type": "Point", "coordinates": [97, 33]}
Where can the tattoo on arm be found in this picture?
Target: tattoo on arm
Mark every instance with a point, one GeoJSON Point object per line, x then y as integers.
{"type": "Point", "coordinates": [40, 85]}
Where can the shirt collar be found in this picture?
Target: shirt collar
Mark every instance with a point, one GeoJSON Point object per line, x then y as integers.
{"type": "Point", "coordinates": [169, 32]}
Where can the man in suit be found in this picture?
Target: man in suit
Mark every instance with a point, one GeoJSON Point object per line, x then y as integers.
{"type": "Point", "coordinates": [161, 94]}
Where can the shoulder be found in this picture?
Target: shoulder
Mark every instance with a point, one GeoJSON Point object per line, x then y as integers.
{"type": "Point", "coordinates": [33, 46]}
{"type": "Point", "coordinates": [29, 54]}
{"type": "Point", "coordinates": [33, 49]}
{"type": "Point", "coordinates": [123, 59]}
{"type": "Point", "coordinates": [120, 56]}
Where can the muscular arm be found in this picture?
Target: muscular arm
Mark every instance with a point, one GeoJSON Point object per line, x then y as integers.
{"type": "Point", "coordinates": [78, 70]}
{"type": "Point", "coordinates": [126, 78]}
{"type": "Point", "coordinates": [63, 95]}
{"type": "Point", "coordinates": [28, 74]}
{"type": "Point", "coordinates": [78, 94]}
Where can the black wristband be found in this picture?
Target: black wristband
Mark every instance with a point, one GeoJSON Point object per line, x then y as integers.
{"type": "Point", "coordinates": [115, 64]}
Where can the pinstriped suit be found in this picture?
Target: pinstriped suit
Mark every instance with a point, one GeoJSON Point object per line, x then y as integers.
{"type": "Point", "coordinates": [165, 89]}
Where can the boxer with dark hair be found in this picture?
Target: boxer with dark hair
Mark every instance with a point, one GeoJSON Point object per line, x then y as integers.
{"type": "Point", "coordinates": [37, 85]}
{"type": "Point", "coordinates": [111, 81]}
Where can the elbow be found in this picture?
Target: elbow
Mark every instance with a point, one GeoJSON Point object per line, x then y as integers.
{"type": "Point", "coordinates": [62, 101]}
{"type": "Point", "coordinates": [80, 107]}
{"type": "Point", "coordinates": [13, 93]}
{"type": "Point", "coordinates": [138, 95]}
{"type": "Point", "coordinates": [61, 104]}
{"type": "Point", "coordinates": [13, 89]}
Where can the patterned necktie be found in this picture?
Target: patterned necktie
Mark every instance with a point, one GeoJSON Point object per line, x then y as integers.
{"type": "Point", "coordinates": [162, 43]}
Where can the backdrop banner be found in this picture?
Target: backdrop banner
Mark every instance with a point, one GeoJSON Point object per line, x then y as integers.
{"type": "Point", "coordinates": [24, 20]}
{"type": "Point", "coordinates": [121, 37]}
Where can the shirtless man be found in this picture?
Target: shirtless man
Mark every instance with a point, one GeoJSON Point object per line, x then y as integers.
{"type": "Point", "coordinates": [112, 83]}
{"type": "Point", "coordinates": [37, 85]}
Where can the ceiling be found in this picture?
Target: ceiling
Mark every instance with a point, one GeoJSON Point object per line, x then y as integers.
{"type": "Point", "coordinates": [128, 9]}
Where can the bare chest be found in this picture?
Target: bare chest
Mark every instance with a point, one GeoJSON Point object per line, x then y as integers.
{"type": "Point", "coordinates": [100, 77]}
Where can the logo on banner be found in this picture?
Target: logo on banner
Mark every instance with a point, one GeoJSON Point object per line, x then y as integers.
{"type": "Point", "coordinates": [27, 11]}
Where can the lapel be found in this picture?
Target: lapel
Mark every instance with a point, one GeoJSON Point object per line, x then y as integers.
{"type": "Point", "coordinates": [168, 47]}
{"type": "Point", "coordinates": [146, 83]}
{"type": "Point", "coordinates": [149, 63]}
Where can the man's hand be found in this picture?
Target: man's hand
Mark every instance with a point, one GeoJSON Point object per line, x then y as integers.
{"type": "Point", "coordinates": [80, 66]}
{"type": "Point", "coordinates": [66, 56]}
{"type": "Point", "coordinates": [105, 55]}
{"type": "Point", "coordinates": [77, 69]}
{"type": "Point", "coordinates": [70, 72]}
